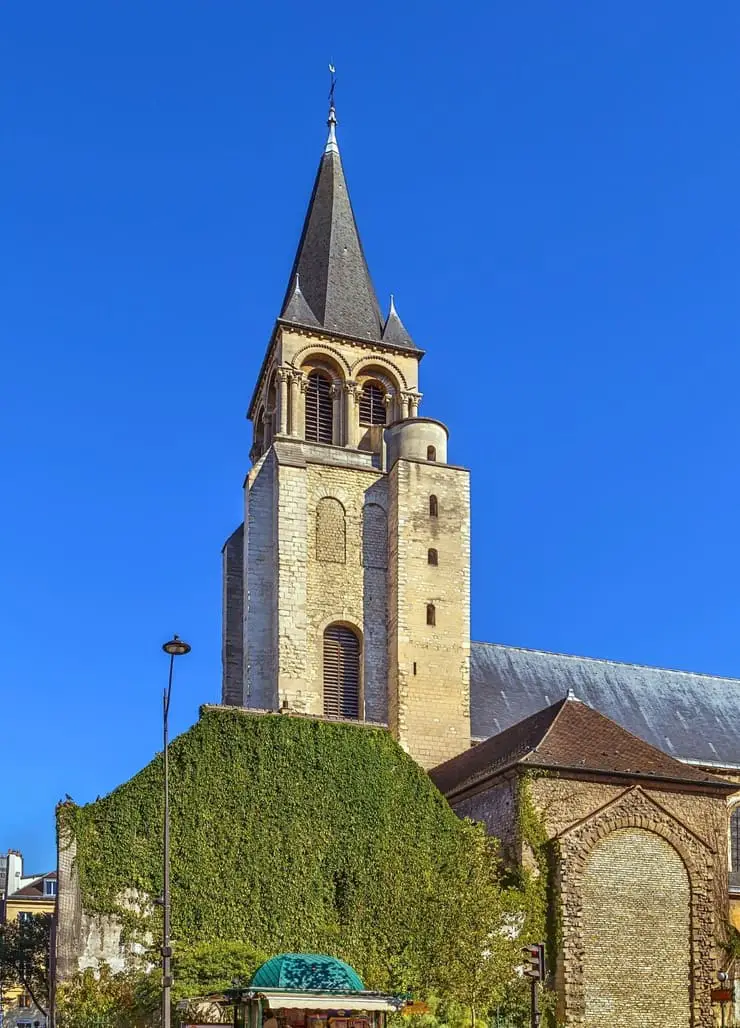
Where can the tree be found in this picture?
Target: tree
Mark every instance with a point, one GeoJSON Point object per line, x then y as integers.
{"type": "Point", "coordinates": [131, 999]}
{"type": "Point", "coordinates": [25, 957]}
{"type": "Point", "coordinates": [481, 942]}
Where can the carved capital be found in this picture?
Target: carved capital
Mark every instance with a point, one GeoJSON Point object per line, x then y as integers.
{"type": "Point", "coordinates": [351, 388]}
{"type": "Point", "coordinates": [283, 374]}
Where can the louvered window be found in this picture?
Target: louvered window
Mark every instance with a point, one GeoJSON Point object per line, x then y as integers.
{"type": "Point", "coordinates": [735, 838]}
{"type": "Point", "coordinates": [372, 405]}
{"type": "Point", "coordinates": [319, 409]}
{"type": "Point", "coordinates": [341, 672]}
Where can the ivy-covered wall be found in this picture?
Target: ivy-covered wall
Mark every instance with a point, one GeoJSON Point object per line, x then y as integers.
{"type": "Point", "coordinates": [287, 833]}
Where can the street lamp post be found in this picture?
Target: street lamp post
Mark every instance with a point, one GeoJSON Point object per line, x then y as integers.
{"type": "Point", "coordinates": [175, 648]}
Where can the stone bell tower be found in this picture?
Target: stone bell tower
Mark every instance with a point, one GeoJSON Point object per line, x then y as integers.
{"type": "Point", "coordinates": [346, 588]}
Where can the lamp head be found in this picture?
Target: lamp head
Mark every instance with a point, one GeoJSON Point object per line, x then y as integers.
{"type": "Point", "coordinates": [176, 647]}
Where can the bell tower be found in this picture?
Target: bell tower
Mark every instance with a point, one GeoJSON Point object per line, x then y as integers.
{"type": "Point", "coordinates": [346, 588]}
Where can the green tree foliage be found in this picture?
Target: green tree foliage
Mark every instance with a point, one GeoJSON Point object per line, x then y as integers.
{"type": "Point", "coordinates": [290, 834]}
{"type": "Point", "coordinates": [90, 999]}
{"type": "Point", "coordinates": [483, 945]}
{"type": "Point", "coordinates": [131, 999]}
{"type": "Point", "coordinates": [24, 957]}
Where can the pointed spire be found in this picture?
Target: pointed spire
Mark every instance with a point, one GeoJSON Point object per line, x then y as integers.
{"type": "Point", "coordinates": [335, 284]}
{"type": "Point", "coordinates": [394, 330]}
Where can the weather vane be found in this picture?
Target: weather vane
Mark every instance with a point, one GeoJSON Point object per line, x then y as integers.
{"type": "Point", "coordinates": [333, 83]}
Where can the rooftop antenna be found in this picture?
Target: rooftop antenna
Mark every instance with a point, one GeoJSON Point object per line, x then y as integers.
{"type": "Point", "coordinates": [331, 143]}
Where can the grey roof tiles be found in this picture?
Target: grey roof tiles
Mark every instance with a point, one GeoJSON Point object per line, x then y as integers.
{"type": "Point", "coordinates": [691, 717]}
{"type": "Point", "coordinates": [335, 284]}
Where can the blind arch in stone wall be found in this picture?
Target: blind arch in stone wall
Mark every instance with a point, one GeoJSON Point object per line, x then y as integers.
{"type": "Point", "coordinates": [331, 531]}
{"type": "Point", "coordinates": [636, 924]}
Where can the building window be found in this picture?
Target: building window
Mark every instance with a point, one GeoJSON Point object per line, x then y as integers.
{"type": "Point", "coordinates": [24, 1001]}
{"type": "Point", "coordinates": [431, 453]}
{"type": "Point", "coordinates": [50, 887]}
{"type": "Point", "coordinates": [341, 672]}
{"type": "Point", "coordinates": [25, 917]}
{"type": "Point", "coordinates": [432, 558]}
{"type": "Point", "coordinates": [735, 839]}
{"type": "Point", "coordinates": [431, 614]}
{"type": "Point", "coordinates": [372, 405]}
{"type": "Point", "coordinates": [433, 507]}
{"type": "Point", "coordinates": [319, 409]}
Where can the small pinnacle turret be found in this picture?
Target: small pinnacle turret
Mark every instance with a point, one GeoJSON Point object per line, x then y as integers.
{"type": "Point", "coordinates": [394, 330]}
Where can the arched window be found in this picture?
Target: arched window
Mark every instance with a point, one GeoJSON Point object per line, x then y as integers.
{"type": "Point", "coordinates": [431, 453]}
{"type": "Point", "coordinates": [735, 839]}
{"type": "Point", "coordinates": [433, 507]}
{"type": "Point", "coordinates": [331, 531]}
{"type": "Point", "coordinates": [372, 405]}
{"type": "Point", "coordinates": [341, 672]}
{"type": "Point", "coordinates": [319, 409]}
{"type": "Point", "coordinates": [431, 614]}
{"type": "Point", "coordinates": [432, 557]}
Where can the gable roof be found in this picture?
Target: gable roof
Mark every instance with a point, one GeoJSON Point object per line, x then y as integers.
{"type": "Point", "coordinates": [35, 889]}
{"type": "Point", "coordinates": [569, 735]}
{"type": "Point", "coordinates": [692, 717]}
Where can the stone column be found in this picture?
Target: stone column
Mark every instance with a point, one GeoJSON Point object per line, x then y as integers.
{"type": "Point", "coordinates": [414, 401]}
{"type": "Point", "coordinates": [336, 398]}
{"type": "Point", "coordinates": [282, 378]}
{"type": "Point", "coordinates": [351, 417]}
{"type": "Point", "coordinates": [404, 406]}
{"type": "Point", "coordinates": [295, 390]}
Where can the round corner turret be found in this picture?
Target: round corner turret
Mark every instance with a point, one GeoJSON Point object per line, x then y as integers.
{"type": "Point", "coordinates": [416, 439]}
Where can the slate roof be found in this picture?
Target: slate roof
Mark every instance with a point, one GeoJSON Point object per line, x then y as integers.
{"type": "Point", "coordinates": [692, 717]}
{"type": "Point", "coordinates": [335, 284]}
{"type": "Point", "coordinates": [570, 735]}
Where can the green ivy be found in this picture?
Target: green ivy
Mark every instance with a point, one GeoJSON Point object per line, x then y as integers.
{"type": "Point", "coordinates": [287, 834]}
{"type": "Point", "coordinates": [542, 921]}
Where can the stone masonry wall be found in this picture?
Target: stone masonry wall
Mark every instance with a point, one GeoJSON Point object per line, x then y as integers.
{"type": "Point", "coordinates": [346, 590]}
{"type": "Point", "coordinates": [429, 665]}
{"type": "Point", "coordinates": [232, 656]}
{"type": "Point", "coordinates": [260, 627]}
{"type": "Point", "coordinates": [681, 825]}
{"type": "Point", "coordinates": [636, 911]}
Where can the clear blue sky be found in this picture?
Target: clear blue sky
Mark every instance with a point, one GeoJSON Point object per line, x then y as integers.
{"type": "Point", "coordinates": [551, 191]}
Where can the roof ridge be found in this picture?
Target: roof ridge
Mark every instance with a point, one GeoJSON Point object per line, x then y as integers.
{"type": "Point", "coordinates": [607, 660]}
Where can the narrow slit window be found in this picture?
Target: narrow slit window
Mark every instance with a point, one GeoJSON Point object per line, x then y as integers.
{"type": "Point", "coordinates": [433, 507]}
{"type": "Point", "coordinates": [431, 614]}
{"type": "Point", "coordinates": [432, 557]}
{"type": "Point", "coordinates": [431, 453]}
{"type": "Point", "coordinates": [319, 409]}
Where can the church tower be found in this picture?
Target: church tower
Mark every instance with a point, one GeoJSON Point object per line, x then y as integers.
{"type": "Point", "coordinates": [346, 588]}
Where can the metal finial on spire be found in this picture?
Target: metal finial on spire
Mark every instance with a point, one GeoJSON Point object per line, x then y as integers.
{"type": "Point", "coordinates": [331, 143]}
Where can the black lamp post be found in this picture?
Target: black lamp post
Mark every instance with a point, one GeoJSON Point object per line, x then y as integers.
{"type": "Point", "coordinates": [176, 648]}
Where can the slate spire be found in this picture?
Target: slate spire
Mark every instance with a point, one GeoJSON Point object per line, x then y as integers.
{"type": "Point", "coordinates": [335, 284]}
